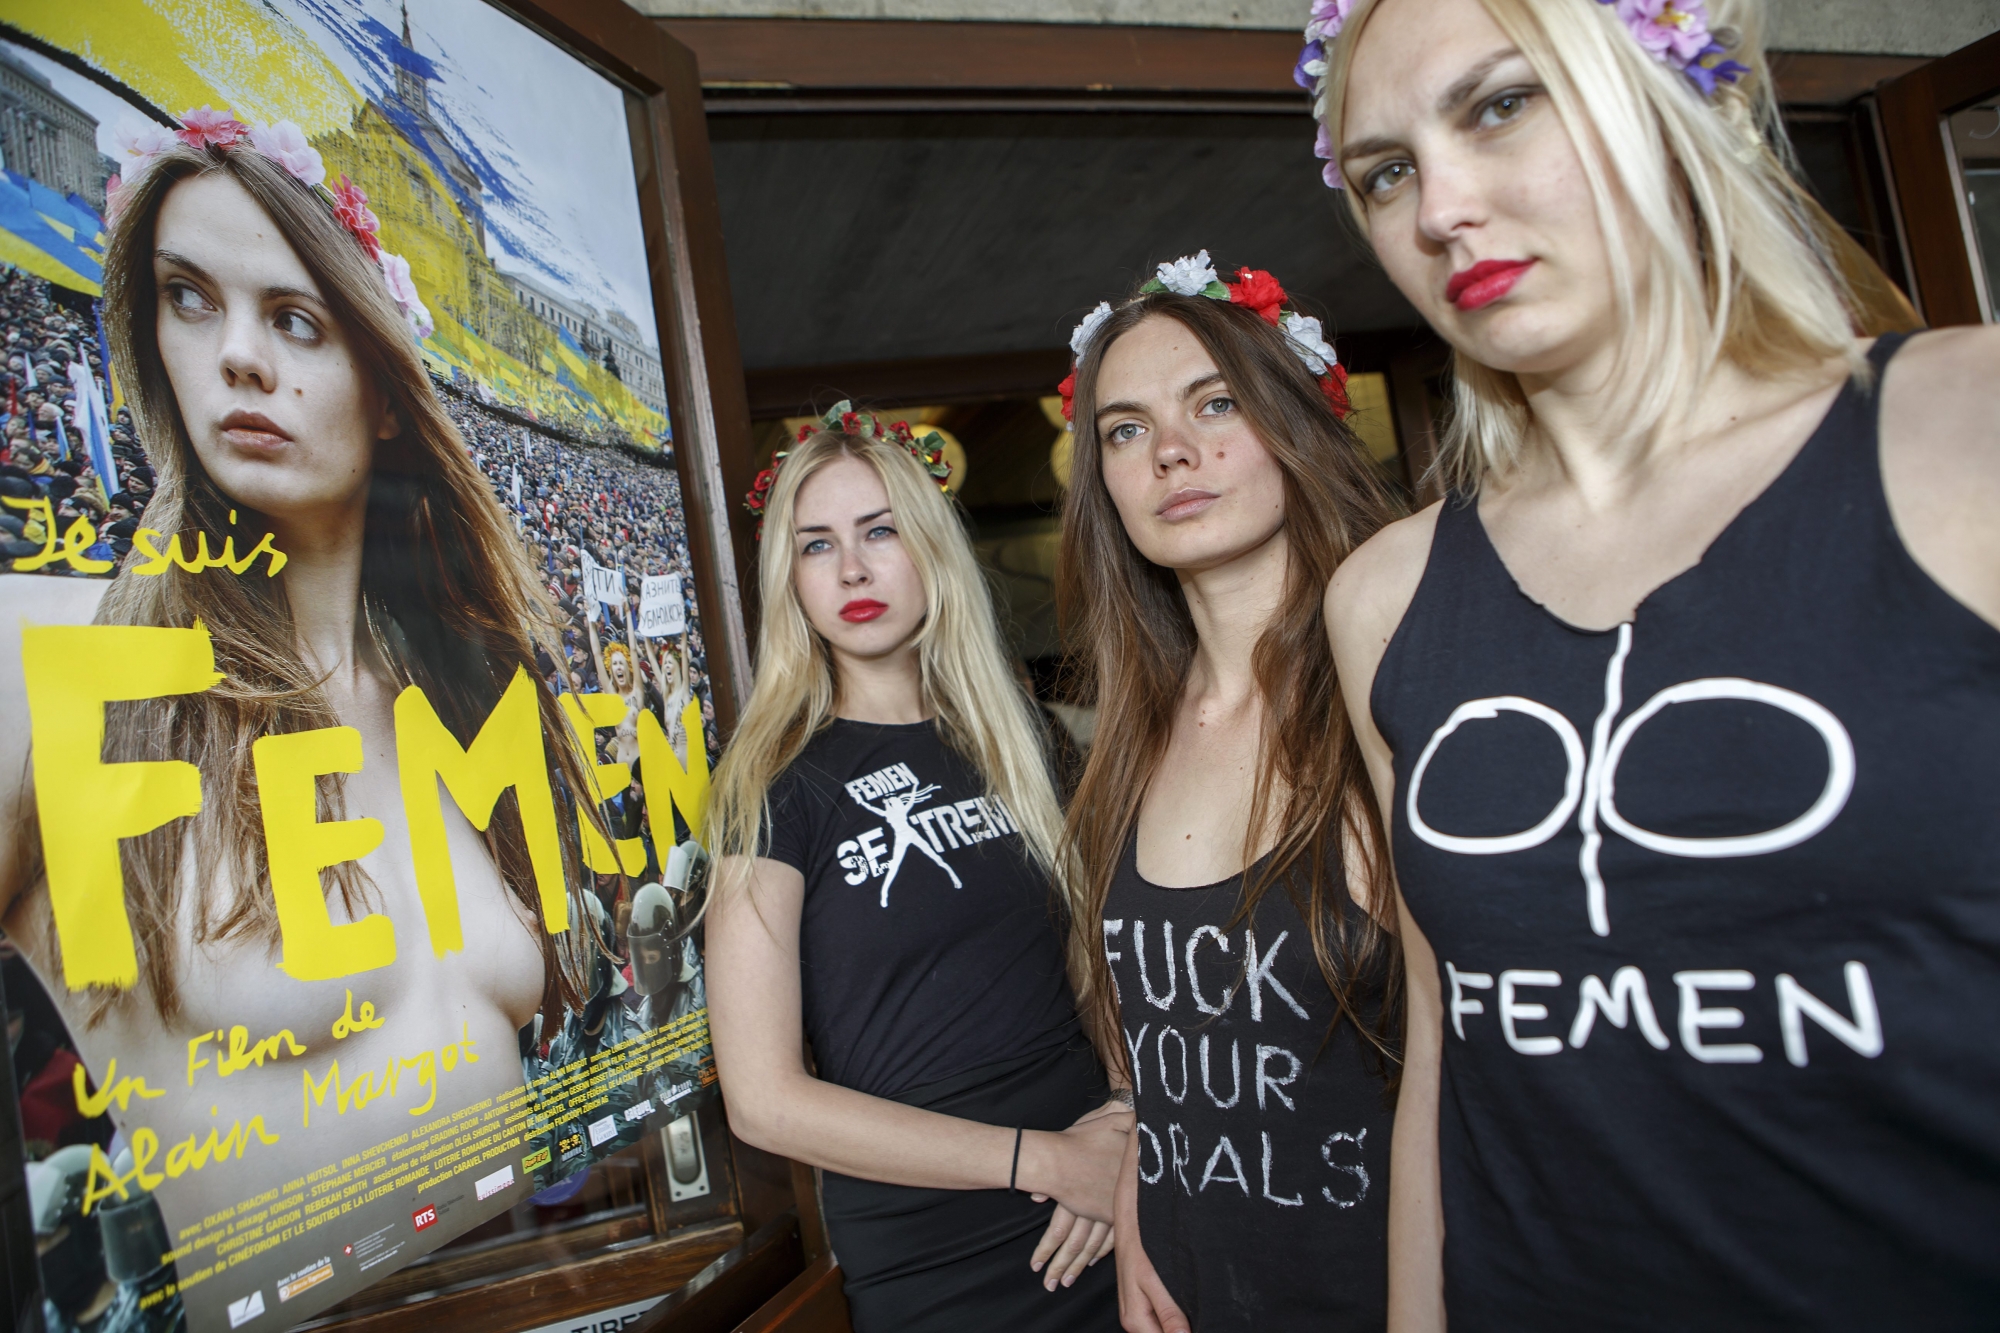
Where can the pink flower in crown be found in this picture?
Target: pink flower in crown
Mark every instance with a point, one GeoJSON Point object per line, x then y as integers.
{"type": "Point", "coordinates": [141, 142]}
{"type": "Point", "coordinates": [205, 127]}
{"type": "Point", "coordinates": [403, 291]}
{"type": "Point", "coordinates": [285, 143]}
{"type": "Point", "coordinates": [1328, 18]}
{"type": "Point", "coordinates": [1323, 150]}
{"type": "Point", "coordinates": [1674, 31]}
{"type": "Point", "coordinates": [350, 205]}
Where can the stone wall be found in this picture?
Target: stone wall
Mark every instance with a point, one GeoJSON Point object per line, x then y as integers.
{"type": "Point", "coordinates": [1928, 27]}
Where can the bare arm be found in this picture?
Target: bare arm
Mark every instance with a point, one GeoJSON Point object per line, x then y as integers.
{"type": "Point", "coordinates": [1416, 1200]}
{"type": "Point", "coordinates": [754, 989]}
{"type": "Point", "coordinates": [1365, 602]}
{"type": "Point", "coordinates": [39, 600]}
{"type": "Point", "coordinates": [1143, 1303]}
{"type": "Point", "coordinates": [590, 628]}
{"type": "Point", "coordinates": [1941, 460]}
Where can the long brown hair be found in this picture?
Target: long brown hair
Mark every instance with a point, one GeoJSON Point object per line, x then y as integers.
{"type": "Point", "coordinates": [449, 601]}
{"type": "Point", "coordinates": [1132, 641]}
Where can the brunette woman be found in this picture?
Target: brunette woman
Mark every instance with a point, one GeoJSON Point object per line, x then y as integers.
{"type": "Point", "coordinates": [1223, 833]}
{"type": "Point", "coordinates": [1685, 703]}
{"type": "Point", "coordinates": [886, 951]}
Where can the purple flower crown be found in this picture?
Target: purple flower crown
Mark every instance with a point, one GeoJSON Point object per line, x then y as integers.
{"type": "Point", "coordinates": [1673, 32]}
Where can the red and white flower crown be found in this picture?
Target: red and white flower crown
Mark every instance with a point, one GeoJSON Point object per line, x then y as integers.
{"type": "Point", "coordinates": [205, 128]}
{"type": "Point", "coordinates": [842, 419]}
{"type": "Point", "coordinates": [1196, 276]}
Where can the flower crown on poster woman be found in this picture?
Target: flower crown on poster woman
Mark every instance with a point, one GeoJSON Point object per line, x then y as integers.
{"type": "Point", "coordinates": [287, 858]}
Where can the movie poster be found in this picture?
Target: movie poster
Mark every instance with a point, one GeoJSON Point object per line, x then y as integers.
{"type": "Point", "coordinates": [355, 724]}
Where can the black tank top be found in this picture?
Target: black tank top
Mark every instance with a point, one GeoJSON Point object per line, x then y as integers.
{"type": "Point", "coordinates": [1715, 897]}
{"type": "Point", "coordinates": [1263, 1145]}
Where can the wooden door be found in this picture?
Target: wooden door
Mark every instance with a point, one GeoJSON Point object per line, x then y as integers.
{"type": "Point", "coordinates": [1941, 129]}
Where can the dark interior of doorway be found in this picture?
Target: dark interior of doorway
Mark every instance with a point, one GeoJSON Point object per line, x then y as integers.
{"type": "Point", "coordinates": [934, 260]}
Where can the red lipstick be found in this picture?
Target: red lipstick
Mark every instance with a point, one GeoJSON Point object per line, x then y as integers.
{"type": "Point", "coordinates": [1485, 282]}
{"type": "Point", "coordinates": [862, 609]}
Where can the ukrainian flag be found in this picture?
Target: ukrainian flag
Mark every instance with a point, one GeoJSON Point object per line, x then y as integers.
{"type": "Point", "coordinates": [60, 239]}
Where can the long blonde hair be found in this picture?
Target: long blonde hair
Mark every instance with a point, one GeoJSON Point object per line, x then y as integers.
{"type": "Point", "coordinates": [1732, 260]}
{"type": "Point", "coordinates": [449, 601]}
{"type": "Point", "coordinates": [980, 706]}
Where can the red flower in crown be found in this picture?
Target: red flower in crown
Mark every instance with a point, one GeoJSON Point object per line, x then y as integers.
{"type": "Point", "coordinates": [1258, 290]}
{"type": "Point", "coordinates": [1334, 385]}
{"type": "Point", "coordinates": [350, 206]}
{"type": "Point", "coordinates": [862, 424]}
{"type": "Point", "coordinates": [1068, 391]}
{"type": "Point", "coordinates": [205, 127]}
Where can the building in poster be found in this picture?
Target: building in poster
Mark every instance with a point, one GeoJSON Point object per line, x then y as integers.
{"type": "Point", "coordinates": [46, 136]}
{"type": "Point", "coordinates": [609, 335]}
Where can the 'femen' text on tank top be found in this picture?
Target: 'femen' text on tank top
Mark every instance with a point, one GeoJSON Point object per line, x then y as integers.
{"type": "Point", "coordinates": [1715, 899]}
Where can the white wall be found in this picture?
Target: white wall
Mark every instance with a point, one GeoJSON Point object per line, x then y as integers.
{"type": "Point", "coordinates": [1909, 27]}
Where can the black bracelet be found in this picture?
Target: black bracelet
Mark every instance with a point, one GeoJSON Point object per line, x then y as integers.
{"type": "Point", "coordinates": [1015, 1172]}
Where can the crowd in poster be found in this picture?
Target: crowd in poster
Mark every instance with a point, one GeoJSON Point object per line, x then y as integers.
{"type": "Point", "coordinates": [298, 991]}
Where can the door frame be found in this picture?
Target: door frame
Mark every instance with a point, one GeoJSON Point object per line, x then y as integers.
{"type": "Point", "coordinates": [1924, 176]}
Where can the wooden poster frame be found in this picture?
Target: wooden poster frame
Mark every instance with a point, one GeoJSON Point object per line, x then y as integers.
{"type": "Point", "coordinates": [634, 1258]}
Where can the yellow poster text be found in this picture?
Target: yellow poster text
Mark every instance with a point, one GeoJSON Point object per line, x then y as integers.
{"type": "Point", "coordinates": [115, 1089]}
{"type": "Point", "coordinates": [239, 1053]}
{"type": "Point", "coordinates": [86, 806]}
{"type": "Point", "coordinates": [348, 1024]}
{"type": "Point", "coordinates": [190, 1154]}
{"type": "Point", "coordinates": [370, 1086]}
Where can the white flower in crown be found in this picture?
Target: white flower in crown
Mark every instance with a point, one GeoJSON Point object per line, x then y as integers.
{"type": "Point", "coordinates": [1309, 342]}
{"type": "Point", "coordinates": [1080, 338]}
{"type": "Point", "coordinates": [142, 141]}
{"type": "Point", "coordinates": [285, 143]}
{"type": "Point", "coordinates": [1188, 277]}
{"type": "Point", "coordinates": [396, 273]}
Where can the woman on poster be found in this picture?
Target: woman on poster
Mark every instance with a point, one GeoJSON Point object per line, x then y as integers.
{"type": "Point", "coordinates": [268, 352]}
{"type": "Point", "coordinates": [1224, 837]}
{"type": "Point", "coordinates": [905, 1022]}
{"type": "Point", "coordinates": [1684, 704]}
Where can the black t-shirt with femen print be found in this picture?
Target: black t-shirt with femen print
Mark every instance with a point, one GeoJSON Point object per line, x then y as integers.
{"type": "Point", "coordinates": [930, 942]}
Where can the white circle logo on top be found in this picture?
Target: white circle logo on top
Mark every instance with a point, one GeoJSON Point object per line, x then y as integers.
{"type": "Point", "coordinates": [1590, 781]}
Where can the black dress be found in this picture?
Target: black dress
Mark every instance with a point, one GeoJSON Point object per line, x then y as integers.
{"type": "Point", "coordinates": [1263, 1142]}
{"type": "Point", "coordinates": [931, 959]}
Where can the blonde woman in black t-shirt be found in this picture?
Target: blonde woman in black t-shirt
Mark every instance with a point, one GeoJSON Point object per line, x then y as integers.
{"type": "Point", "coordinates": [888, 983]}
